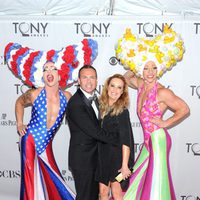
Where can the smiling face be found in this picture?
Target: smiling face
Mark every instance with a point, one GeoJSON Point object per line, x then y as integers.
{"type": "Point", "coordinates": [115, 90]}
{"type": "Point", "coordinates": [88, 80]}
{"type": "Point", "coordinates": [150, 72]}
{"type": "Point", "coordinates": [50, 74]}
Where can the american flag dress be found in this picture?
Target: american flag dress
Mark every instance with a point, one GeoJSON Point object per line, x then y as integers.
{"type": "Point", "coordinates": [40, 176]}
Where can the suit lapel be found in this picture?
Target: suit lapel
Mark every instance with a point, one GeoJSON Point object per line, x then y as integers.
{"type": "Point", "coordinates": [88, 105]}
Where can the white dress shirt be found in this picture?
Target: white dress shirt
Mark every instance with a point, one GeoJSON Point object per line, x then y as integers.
{"type": "Point", "coordinates": [93, 103]}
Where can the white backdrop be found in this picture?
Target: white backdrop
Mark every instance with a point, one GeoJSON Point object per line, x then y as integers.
{"type": "Point", "coordinates": [44, 33]}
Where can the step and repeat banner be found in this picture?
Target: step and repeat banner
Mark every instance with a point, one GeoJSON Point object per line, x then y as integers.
{"type": "Point", "coordinates": [45, 33]}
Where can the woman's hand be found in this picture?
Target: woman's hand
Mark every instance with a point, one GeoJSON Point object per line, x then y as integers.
{"type": "Point", "coordinates": [126, 172]}
{"type": "Point", "coordinates": [21, 129]}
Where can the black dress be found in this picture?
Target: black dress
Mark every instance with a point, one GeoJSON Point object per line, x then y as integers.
{"type": "Point", "coordinates": [110, 156]}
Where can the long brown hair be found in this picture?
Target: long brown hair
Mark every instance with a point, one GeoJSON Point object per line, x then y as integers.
{"type": "Point", "coordinates": [120, 104]}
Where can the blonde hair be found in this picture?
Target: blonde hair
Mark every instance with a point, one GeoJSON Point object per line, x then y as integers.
{"type": "Point", "coordinates": [120, 104]}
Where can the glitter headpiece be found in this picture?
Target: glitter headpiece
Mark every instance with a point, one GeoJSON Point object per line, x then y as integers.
{"type": "Point", "coordinates": [27, 64]}
{"type": "Point", "coordinates": [165, 50]}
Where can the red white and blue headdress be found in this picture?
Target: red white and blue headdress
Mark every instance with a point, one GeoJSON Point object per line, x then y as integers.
{"type": "Point", "coordinates": [27, 64]}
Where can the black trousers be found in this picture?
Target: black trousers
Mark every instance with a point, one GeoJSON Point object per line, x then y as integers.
{"type": "Point", "coordinates": [86, 186]}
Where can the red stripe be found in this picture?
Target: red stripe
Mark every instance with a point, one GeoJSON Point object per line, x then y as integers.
{"type": "Point", "coordinates": [15, 57]}
{"type": "Point", "coordinates": [27, 67]}
{"type": "Point", "coordinates": [51, 158]}
{"type": "Point", "coordinates": [51, 188]}
{"type": "Point", "coordinates": [7, 48]}
{"type": "Point", "coordinates": [50, 54]}
{"type": "Point", "coordinates": [29, 169]}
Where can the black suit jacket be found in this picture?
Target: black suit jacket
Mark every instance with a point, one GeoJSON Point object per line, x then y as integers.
{"type": "Point", "coordinates": [85, 133]}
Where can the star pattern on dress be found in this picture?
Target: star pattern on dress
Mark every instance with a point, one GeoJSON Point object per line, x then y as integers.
{"type": "Point", "coordinates": [42, 136]}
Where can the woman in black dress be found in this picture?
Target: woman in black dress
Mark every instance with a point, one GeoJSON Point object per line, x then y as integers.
{"type": "Point", "coordinates": [114, 159]}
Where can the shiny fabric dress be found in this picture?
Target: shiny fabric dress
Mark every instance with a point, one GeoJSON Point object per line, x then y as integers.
{"type": "Point", "coordinates": [40, 176]}
{"type": "Point", "coordinates": [151, 178]}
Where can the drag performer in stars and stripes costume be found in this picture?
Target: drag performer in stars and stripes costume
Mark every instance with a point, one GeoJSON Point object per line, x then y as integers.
{"type": "Point", "coordinates": [40, 176]}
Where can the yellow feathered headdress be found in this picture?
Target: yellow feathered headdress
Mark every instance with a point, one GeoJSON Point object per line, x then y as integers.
{"type": "Point", "coordinates": [165, 50]}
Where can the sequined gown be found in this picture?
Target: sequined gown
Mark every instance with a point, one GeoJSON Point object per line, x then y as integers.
{"type": "Point", "coordinates": [40, 176]}
{"type": "Point", "coordinates": [151, 178]}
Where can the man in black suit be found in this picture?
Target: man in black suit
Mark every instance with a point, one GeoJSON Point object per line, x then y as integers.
{"type": "Point", "coordinates": [85, 133]}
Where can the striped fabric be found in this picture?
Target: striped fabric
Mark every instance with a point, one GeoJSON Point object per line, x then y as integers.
{"type": "Point", "coordinates": [151, 178]}
{"type": "Point", "coordinates": [40, 176]}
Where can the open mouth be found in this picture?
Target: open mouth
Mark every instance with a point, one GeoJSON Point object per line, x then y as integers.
{"type": "Point", "coordinates": [50, 78]}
